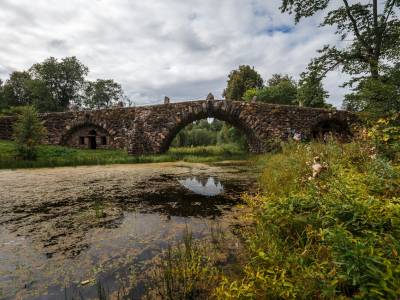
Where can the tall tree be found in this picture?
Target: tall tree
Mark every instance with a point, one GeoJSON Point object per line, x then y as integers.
{"type": "Point", "coordinates": [378, 96]}
{"type": "Point", "coordinates": [102, 93]}
{"type": "Point", "coordinates": [371, 31]}
{"type": "Point", "coordinates": [3, 102]}
{"type": "Point", "coordinates": [311, 93]}
{"type": "Point", "coordinates": [16, 91]}
{"type": "Point", "coordinates": [241, 80]}
{"type": "Point", "coordinates": [64, 79]}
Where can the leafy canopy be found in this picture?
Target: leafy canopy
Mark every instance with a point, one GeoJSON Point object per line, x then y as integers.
{"type": "Point", "coordinates": [280, 89]}
{"type": "Point", "coordinates": [311, 93]}
{"type": "Point", "coordinates": [55, 85]}
{"type": "Point", "coordinates": [370, 30]}
{"type": "Point", "coordinates": [102, 93]}
{"type": "Point", "coordinates": [241, 80]}
{"type": "Point", "coordinates": [64, 79]}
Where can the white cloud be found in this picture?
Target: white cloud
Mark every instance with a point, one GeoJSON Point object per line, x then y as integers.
{"type": "Point", "coordinates": [183, 49]}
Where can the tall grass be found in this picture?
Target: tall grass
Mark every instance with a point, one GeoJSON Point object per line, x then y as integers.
{"type": "Point", "coordinates": [58, 156]}
{"type": "Point", "coordinates": [183, 272]}
{"type": "Point", "coordinates": [336, 236]}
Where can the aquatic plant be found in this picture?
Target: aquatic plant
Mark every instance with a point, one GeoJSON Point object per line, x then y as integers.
{"type": "Point", "coordinates": [183, 272]}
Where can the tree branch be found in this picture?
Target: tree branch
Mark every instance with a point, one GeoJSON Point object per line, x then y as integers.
{"type": "Point", "coordinates": [355, 27]}
{"type": "Point", "coordinates": [388, 8]}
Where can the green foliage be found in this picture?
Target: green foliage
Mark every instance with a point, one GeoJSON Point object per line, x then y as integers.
{"type": "Point", "coordinates": [377, 96]}
{"type": "Point", "coordinates": [102, 93]}
{"type": "Point", "coordinates": [203, 133]}
{"type": "Point", "coordinates": [280, 89]}
{"type": "Point", "coordinates": [54, 85]}
{"type": "Point", "coordinates": [3, 103]}
{"type": "Point", "coordinates": [57, 156]}
{"type": "Point", "coordinates": [371, 31]}
{"type": "Point", "coordinates": [311, 92]}
{"type": "Point", "coordinates": [64, 79]}
{"type": "Point", "coordinates": [16, 90]}
{"type": "Point", "coordinates": [28, 133]}
{"type": "Point", "coordinates": [183, 272]}
{"type": "Point", "coordinates": [231, 135]}
{"type": "Point", "coordinates": [385, 134]}
{"type": "Point", "coordinates": [241, 80]}
{"type": "Point", "coordinates": [335, 236]}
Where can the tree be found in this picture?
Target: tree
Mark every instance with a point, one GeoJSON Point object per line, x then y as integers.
{"type": "Point", "coordinates": [371, 31]}
{"type": "Point", "coordinates": [16, 91]}
{"type": "Point", "coordinates": [64, 79]}
{"type": "Point", "coordinates": [379, 96]}
{"type": "Point", "coordinates": [311, 92]}
{"type": "Point", "coordinates": [241, 80]}
{"type": "Point", "coordinates": [28, 133]}
{"type": "Point", "coordinates": [3, 103]}
{"type": "Point", "coordinates": [21, 90]}
{"type": "Point", "coordinates": [102, 93]}
{"type": "Point", "coordinates": [280, 89]}
{"type": "Point", "coordinates": [40, 96]}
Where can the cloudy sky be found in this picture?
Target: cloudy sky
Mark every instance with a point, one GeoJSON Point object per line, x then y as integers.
{"type": "Point", "coordinates": [182, 49]}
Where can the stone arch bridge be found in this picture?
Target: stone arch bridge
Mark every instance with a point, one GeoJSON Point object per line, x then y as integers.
{"type": "Point", "coordinates": [151, 129]}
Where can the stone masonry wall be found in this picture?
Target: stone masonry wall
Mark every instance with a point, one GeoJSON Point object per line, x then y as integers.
{"type": "Point", "coordinates": [151, 129]}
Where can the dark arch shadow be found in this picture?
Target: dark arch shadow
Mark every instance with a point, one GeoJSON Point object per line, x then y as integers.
{"type": "Point", "coordinates": [251, 140]}
{"type": "Point", "coordinates": [335, 127]}
{"type": "Point", "coordinates": [94, 130]}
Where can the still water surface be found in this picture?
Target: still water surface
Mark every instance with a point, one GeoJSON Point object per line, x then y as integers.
{"type": "Point", "coordinates": [61, 231]}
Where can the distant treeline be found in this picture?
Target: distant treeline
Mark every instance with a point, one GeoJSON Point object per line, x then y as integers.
{"type": "Point", "coordinates": [56, 85]}
{"type": "Point", "coordinates": [205, 132]}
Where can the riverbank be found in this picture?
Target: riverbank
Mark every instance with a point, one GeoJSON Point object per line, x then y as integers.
{"type": "Point", "coordinates": [325, 226]}
{"type": "Point", "coordinates": [58, 156]}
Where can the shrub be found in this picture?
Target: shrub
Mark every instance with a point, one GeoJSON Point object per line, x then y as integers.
{"type": "Point", "coordinates": [28, 133]}
{"type": "Point", "coordinates": [331, 237]}
{"type": "Point", "coordinates": [386, 135]}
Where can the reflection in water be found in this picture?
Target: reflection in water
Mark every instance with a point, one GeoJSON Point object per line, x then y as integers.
{"type": "Point", "coordinates": [107, 233]}
{"type": "Point", "coordinates": [203, 186]}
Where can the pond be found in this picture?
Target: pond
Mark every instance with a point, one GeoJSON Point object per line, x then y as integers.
{"type": "Point", "coordinates": [64, 229]}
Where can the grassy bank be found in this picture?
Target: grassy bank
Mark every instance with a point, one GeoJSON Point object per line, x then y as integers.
{"type": "Point", "coordinates": [57, 156]}
{"type": "Point", "coordinates": [335, 235]}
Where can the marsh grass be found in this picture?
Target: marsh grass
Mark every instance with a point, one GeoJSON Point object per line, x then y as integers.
{"type": "Point", "coordinates": [58, 156]}
{"type": "Point", "coordinates": [184, 271]}
{"type": "Point", "coordinates": [331, 237]}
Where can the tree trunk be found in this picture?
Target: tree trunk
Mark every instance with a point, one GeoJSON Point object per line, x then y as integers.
{"type": "Point", "coordinates": [374, 67]}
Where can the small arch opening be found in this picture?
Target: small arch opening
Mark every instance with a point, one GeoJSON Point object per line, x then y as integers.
{"type": "Point", "coordinates": [87, 136]}
{"type": "Point", "coordinates": [331, 128]}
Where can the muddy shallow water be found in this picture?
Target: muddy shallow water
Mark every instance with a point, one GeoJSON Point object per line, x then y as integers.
{"type": "Point", "coordinates": [62, 229]}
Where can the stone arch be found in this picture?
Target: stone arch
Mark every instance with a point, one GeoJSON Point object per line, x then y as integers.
{"type": "Point", "coordinates": [87, 135]}
{"type": "Point", "coordinates": [339, 128]}
{"type": "Point", "coordinates": [232, 117]}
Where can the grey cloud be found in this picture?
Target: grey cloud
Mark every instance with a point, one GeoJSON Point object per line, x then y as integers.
{"type": "Point", "coordinates": [183, 49]}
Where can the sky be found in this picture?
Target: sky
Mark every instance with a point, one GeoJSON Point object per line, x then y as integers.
{"type": "Point", "coordinates": [156, 48]}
